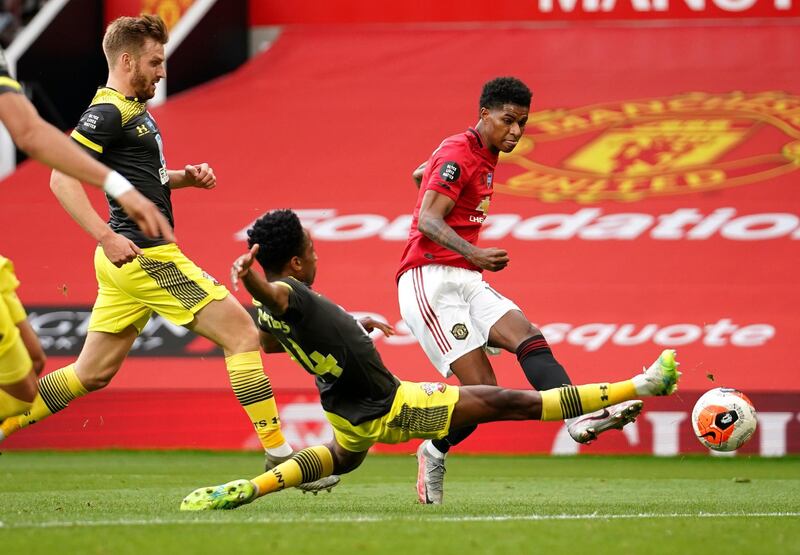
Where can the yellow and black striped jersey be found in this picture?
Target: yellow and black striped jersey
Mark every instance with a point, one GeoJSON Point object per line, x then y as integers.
{"type": "Point", "coordinates": [7, 83]}
{"type": "Point", "coordinates": [329, 344]}
{"type": "Point", "coordinates": [121, 133]}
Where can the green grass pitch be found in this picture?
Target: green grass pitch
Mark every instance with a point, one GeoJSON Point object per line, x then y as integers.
{"type": "Point", "coordinates": [127, 502]}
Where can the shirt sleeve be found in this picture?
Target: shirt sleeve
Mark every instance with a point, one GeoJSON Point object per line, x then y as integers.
{"type": "Point", "coordinates": [299, 302]}
{"type": "Point", "coordinates": [447, 174]}
{"type": "Point", "coordinates": [7, 83]}
{"type": "Point", "coordinates": [98, 127]}
{"type": "Point", "coordinates": [298, 305]}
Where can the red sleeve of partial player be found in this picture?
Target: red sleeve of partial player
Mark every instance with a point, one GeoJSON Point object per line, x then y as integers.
{"type": "Point", "coordinates": [447, 173]}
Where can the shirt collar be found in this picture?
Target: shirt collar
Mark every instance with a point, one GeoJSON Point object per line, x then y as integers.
{"type": "Point", "coordinates": [475, 139]}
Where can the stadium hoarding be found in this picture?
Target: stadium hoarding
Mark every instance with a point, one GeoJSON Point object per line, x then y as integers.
{"type": "Point", "coordinates": [62, 331]}
{"type": "Point", "coordinates": [444, 11]}
{"type": "Point", "coordinates": [637, 215]}
{"type": "Point", "coordinates": [192, 419]}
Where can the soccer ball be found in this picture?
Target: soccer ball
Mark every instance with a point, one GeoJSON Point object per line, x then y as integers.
{"type": "Point", "coordinates": [724, 419]}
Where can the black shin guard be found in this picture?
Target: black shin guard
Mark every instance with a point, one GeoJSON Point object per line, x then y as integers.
{"type": "Point", "coordinates": [453, 438]}
{"type": "Point", "coordinates": [540, 366]}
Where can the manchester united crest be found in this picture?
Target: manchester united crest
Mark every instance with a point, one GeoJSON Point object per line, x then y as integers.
{"type": "Point", "coordinates": [460, 331]}
{"type": "Point", "coordinates": [628, 151]}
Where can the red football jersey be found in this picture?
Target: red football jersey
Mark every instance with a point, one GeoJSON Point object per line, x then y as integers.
{"type": "Point", "coordinates": [462, 169]}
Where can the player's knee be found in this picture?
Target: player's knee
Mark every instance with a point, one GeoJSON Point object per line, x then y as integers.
{"type": "Point", "coordinates": [474, 371]}
{"type": "Point", "coordinates": [531, 332]}
{"type": "Point", "coordinates": [344, 461]}
{"type": "Point", "coordinates": [241, 333]}
{"type": "Point", "coordinates": [26, 391]}
{"type": "Point", "coordinates": [244, 339]}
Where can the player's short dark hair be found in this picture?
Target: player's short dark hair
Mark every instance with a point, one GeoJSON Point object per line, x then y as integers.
{"type": "Point", "coordinates": [505, 90]}
{"type": "Point", "coordinates": [280, 237]}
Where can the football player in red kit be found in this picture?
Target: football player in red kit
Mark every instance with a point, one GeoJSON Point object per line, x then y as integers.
{"type": "Point", "coordinates": [450, 309]}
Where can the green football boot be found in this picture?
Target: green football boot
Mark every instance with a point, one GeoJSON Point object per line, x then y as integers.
{"type": "Point", "coordinates": [224, 497]}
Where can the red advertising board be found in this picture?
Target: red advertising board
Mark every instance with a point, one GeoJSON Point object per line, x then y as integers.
{"type": "Point", "coordinates": [653, 202]}
{"type": "Point", "coordinates": [266, 12]}
{"type": "Point", "coordinates": [194, 419]}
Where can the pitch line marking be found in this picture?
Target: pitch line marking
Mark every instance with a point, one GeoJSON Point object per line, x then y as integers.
{"type": "Point", "coordinates": [406, 518]}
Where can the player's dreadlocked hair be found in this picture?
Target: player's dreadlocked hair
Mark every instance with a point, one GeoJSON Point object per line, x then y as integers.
{"type": "Point", "coordinates": [505, 90]}
{"type": "Point", "coordinates": [279, 235]}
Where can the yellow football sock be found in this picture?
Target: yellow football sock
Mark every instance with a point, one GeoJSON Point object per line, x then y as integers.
{"type": "Point", "coordinates": [571, 401]}
{"type": "Point", "coordinates": [307, 465]}
{"type": "Point", "coordinates": [56, 390]}
{"type": "Point", "coordinates": [254, 392]}
{"type": "Point", "coordinates": [11, 406]}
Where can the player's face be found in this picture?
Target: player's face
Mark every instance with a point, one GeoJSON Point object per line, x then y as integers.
{"type": "Point", "coordinates": [148, 69]}
{"type": "Point", "coordinates": [503, 127]}
{"type": "Point", "coordinates": [308, 260]}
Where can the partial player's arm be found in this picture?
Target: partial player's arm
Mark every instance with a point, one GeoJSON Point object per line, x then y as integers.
{"type": "Point", "coordinates": [200, 176]}
{"type": "Point", "coordinates": [433, 210]}
{"type": "Point", "coordinates": [369, 324]}
{"type": "Point", "coordinates": [69, 192]}
{"type": "Point", "coordinates": [273, 296]}
{"type": "Point", "coordinates": [417, 174]}
{"type": "Point", "coordinates": [269, 343]}
{"type": "Point", "coordinates": [48, 145]}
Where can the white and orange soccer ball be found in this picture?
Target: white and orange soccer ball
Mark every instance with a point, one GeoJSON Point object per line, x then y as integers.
{"type": "Point", "coordinates": [724, 419]}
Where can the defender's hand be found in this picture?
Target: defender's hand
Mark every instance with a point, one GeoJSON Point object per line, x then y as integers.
{"type": "Point", "coordinates": [118, 249]}
{"type": "Point", "coordinates": [146, 215]}
{"type": "Point", "coordinates": [492, 259]}
{"type": "Point", "coordinates": [241, 266]}
{"type": "Point", "coordinates": [200, 176]}
{"type": "Point", "coordinates": [370, 324]}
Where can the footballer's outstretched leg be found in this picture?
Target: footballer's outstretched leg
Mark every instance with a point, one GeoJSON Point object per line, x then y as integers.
{"type": "Point", "coordinates": [470, 405]}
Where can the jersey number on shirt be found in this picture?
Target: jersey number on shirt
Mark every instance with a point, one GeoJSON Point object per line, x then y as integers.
{"type": "Point", "coordinates": [316, 363]}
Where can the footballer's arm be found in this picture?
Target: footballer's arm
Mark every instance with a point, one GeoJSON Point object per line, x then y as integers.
{"type": "Point", "coordinates": [269, 343]}
{"type": "Point", "coordinates": [417, 174]}
{"type": "Point", "coordinates": [48, 145]}
{"type": "Point", "coordinates": [434, 209]}
{"type": "Point", "coordinates": [69, 192]}
{"type": "Point", "coordinates": [274, 296]}
{"type": "Point", "coordinates": [201, 176]}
